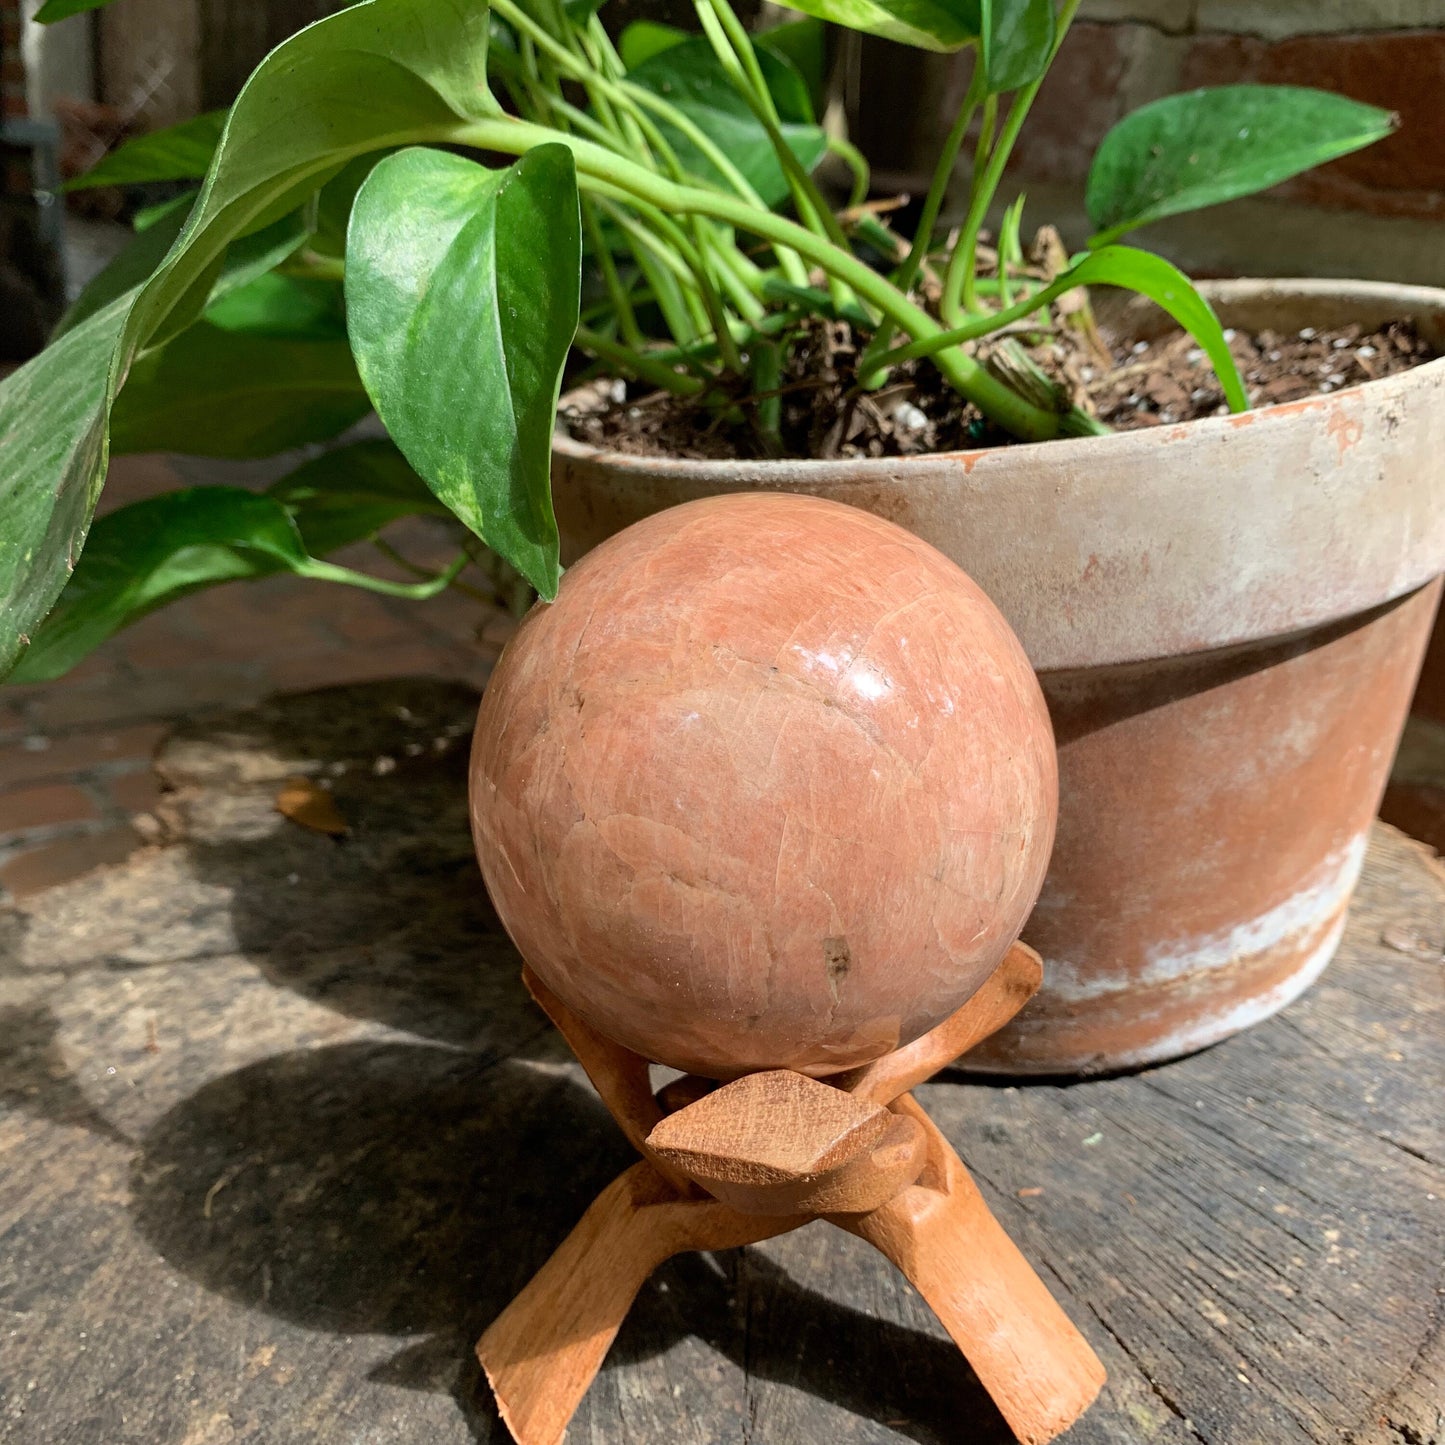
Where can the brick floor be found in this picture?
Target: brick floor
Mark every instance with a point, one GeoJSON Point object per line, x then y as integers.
{"type": "Point", "coordinates": [44, 808]}
{"type": "Point", "coordinates": [75, 754]}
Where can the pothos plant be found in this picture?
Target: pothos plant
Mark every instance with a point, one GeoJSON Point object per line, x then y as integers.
{"type": "Point", "coordinates": [399, 212]}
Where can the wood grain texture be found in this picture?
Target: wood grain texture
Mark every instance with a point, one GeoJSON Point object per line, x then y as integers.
{"type": "Point", "coordinates": [780, 1143]}
{"type": "Point", "coordinates": [543, 1352]}
{"type": "Point", "coordinates": [1027, 1353]}
{"type": "Point", "coordinates": [622, 1079]}
{"type": "Point", "coordinates": [338, 1139]}
{"type": "Point", "coordinates": [771, 1128]}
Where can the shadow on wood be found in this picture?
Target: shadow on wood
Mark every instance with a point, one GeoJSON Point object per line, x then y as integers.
{"type": "Point", "coordinates": [391, 923]}
{"type": "Point", "coordinates": [402, 1189]}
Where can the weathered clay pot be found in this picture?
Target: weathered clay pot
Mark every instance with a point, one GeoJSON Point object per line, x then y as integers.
{"type": "Point", "coordinates": [1227, 618]}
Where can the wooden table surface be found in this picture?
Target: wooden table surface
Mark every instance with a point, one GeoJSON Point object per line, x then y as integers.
{"type": "Point", "coordinates": [280, 1133]}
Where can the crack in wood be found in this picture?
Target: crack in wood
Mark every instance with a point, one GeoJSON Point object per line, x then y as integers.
{"type": "Point", "coordinates": [1155, 1388]}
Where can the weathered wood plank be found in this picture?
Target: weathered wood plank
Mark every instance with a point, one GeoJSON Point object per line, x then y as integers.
{"type": "Point", "coordinates": [280, 1133]}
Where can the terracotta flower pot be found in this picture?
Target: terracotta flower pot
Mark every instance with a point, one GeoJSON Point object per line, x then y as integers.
{"type": "Point", "coordinates": [1227, 617]}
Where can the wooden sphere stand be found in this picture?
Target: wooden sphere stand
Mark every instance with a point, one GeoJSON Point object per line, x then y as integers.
{"type": "Point", "coordinates": [730, 1165]}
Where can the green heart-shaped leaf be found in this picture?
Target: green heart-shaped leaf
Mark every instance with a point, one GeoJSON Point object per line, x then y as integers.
{"type": "Point", "coordinates": [132, 266]}
{"type": "Point", "coordinates": [380, 74]}
{"type": "Point", "coordinates": [1016, 40]}
{"type": "Point", "coordinates": [294, 308]}
{"type": "Point", "coordinates": [1173, 292]}
{"type": "Point", "coordinates": [643, 39]}
{"type": "Point", "coordinates": [462, 293]}
{"type": "Point", "coordinates": [1208, 146]}
{"type": "Point", "coordinates": [1142, 271]}
{"type": "Point", "coordinates": [146, 555]}
{"type": "Point", "coordinates": [804, 45]}
{"type": "Point", "coordinates": [52, 456]}
{"type": "Point", "coordinates": [246, 260]}
{"type": "Point", "coordinates": [178, 153]}
{"type": "Point", "coordinates": [351, 494]}
{"type": "Point", "coordinates": [217, 393]}
{"type": "Point", "coordinates": [54, 10]}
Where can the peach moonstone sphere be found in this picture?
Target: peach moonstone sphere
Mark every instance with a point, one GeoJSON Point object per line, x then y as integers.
{"type": "Point", "coordinates": [771, 784]}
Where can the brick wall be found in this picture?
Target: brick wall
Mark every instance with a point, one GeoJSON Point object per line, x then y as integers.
{"type": "Point", "coordinates": [1380, 213]}
{"type": "Point", "coordinates": [12, 67]}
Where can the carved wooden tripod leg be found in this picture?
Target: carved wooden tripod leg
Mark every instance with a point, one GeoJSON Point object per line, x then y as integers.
{"type": "Point", "coordinates": [543, 1351]}
{"type": "Point", "coordinates": [1038, 1368]}
{"type": "Point", "coordinates": [1011, 985]}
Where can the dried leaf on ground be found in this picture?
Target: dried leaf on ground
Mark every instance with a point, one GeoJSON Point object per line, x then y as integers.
{"type": "Point", "coordinates": [309, 805]}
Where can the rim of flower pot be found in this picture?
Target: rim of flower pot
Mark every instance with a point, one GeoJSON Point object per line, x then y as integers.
{"type": "Point", "coordinates": [1161, 542]}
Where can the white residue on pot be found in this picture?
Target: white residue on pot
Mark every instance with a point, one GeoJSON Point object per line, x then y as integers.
{"type": "Point", "coordinates": [1301, 914]}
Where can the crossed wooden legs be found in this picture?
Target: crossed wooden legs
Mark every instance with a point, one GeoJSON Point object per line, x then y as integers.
{"type": "Point", "coordinates": [858, 1151]}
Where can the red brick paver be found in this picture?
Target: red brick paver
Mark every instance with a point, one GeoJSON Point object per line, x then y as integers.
{"type": "Point", "coordinates": [30, 870]}
{"type": "Point", "coordinates": [44, 807]}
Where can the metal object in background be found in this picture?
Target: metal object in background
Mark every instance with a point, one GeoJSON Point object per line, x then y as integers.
{"type": "Point", "coordinates": [32, 289]}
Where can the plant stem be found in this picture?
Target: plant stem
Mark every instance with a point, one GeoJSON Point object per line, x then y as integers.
{"type": "Point", "coordinates": [734, 49]}
{"type": "Point", "coordinates": [737, 276]}
{"type": "Point", "coordinates": [698, 257]}
{"type": "Point", "coordinates": [639, 365]}
{"type": "Point", "coordinates": [670, 244]}
{"type": "Point", "coordinates": [984, 325]}
{"type": "Point", "coordinates": [527, 51]}
{"type": "Point", "coordinates": [768, 326]}
{"type": "Point", "coordinates": [311, 266]}
{"type": "Point", "coordinates": [740, 42]}
{"type": "Point", "coordinates": [964, 260]}
{"type": "Point", "coordinates": [631, 123]}
{"type": "Point", "coordinates": [604, 48]}
{"type": "Point", "coordinates": [631, 97]}
{"type": "Point", "coordinates": [793, 268]}
{"type": "Point", "coordinates": [717, 314]}
{"type": "Point", "coordinates": [856, 162]}
{"type": "Point", "coordinates": [1010, 251]}
{"type": "Point", "coordinates": [636, 99]}
{"type": "Point", "coordinates": [980, 194]}
{"type": "Point", "coordinates": [582, 123]}
{"type": "Point", "coordinates": [767, 380]}
{"type": "Point", "coordinates": [619, 179]}
{"type": "Point", "coordinates": [406, 565]}
{"type": "Point", "coordinates": [618, 112]}
{"type": "Point", "coordinates": [626, 318]}
{"type": "Point", "coordinates": [662, 280]}
{"type": "Point", "coordinates": [412, 591]}
{"type": "Point", "coordinates": [927, 220]}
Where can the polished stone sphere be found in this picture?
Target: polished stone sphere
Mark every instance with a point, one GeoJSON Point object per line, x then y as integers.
{"type": "Point", "coordinates": [771, 784]}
